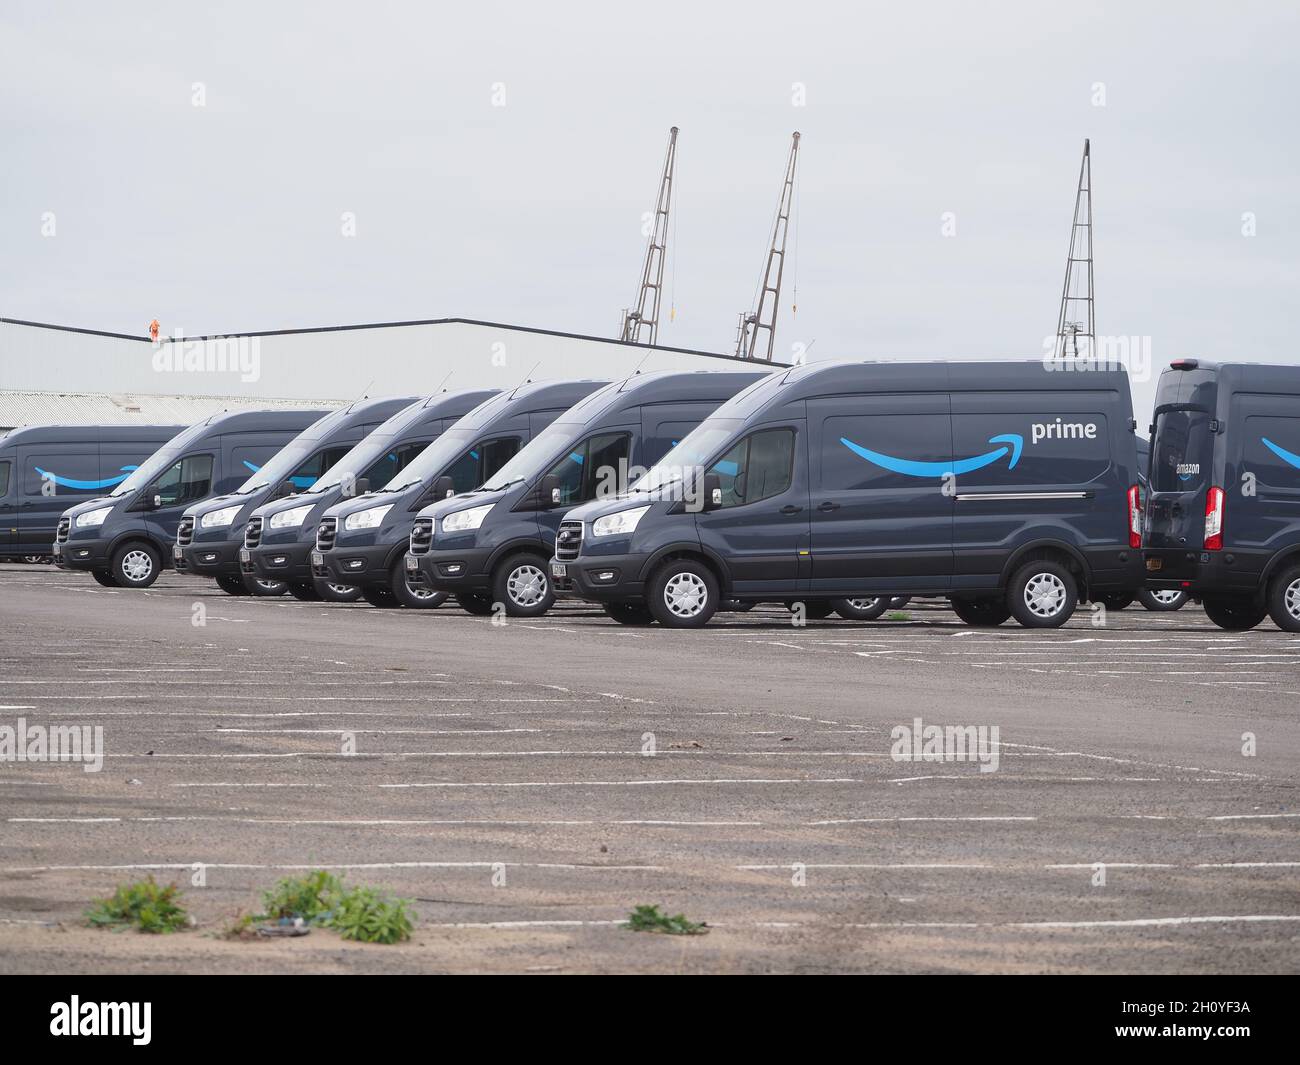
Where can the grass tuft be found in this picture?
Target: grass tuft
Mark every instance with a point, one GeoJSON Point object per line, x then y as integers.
{"type": "Point", "coordinates": [144, 905]}
{"type": "Point", "coordinates": [652, 919]}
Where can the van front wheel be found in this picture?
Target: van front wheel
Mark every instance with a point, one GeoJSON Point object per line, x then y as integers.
{"type": "Point", "coordinates": [1042, 595]}
{"type": "Point", "coordinates": [135, 565]}
{"type": "Point", "coordinates": [520, 584]}
{"type": "Point", "coordinates": [683, 595]}
{"type": "Point", "coordinates": [981, 613]}
{"type": "Point", "coordinates": [1284, 599]}
{"type": "Point", "coordinates": [1234, 613]}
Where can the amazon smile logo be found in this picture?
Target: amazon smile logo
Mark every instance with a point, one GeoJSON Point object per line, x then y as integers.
{"type": "Point", "coordinates": [1014, 444]}
{"type": "Point", "coordinates": [1289, 457]}
{"type": "Point", "coordinates": [85, 486]}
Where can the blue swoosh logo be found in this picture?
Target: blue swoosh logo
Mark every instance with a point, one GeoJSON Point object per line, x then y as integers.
{"type": "Point", "coordinates": [86, 486]}
{"type": "Point", "coordinates": [1289, 457]}
{"type": "Point", "coordinates": [1014, 441]}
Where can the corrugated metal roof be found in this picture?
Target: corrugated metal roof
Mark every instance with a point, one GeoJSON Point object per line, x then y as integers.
{"type": "Point", "coordinates": [101, 408]}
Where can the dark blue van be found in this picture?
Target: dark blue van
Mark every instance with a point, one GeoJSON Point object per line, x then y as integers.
{"type": "Point", "coordinates": [1009, 487]}
{"type": "Point", "coordinates": [1223, 517]}
{"type": "Point", "coordinates": [281, 534]}
{"type": "Point", "coordinates": [363, 541]}
{"type": "Point", "coordinates": [492, 546]}
{"type": "Point", "coordinates": [212, 532]}
{"type": "Point", "coordinates": [125, 538]}
{"type": "Point", "coordinates": [46, 468]}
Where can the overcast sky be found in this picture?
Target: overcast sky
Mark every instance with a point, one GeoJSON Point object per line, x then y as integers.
{"type": "Point", "coordinates": [228, 216]}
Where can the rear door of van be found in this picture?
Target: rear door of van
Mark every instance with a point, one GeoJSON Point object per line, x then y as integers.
{"type": "Point", "coordinates": [881, 505]}
{"type": "Point", "coordinates": [8, 504]}
{"type": "Point", "coordinates": [1182, 461]}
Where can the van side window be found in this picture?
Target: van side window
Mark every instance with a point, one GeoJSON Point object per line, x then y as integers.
{"type": "Point", "coordinates": [309, 472]}
{"type": "Point", "coordinates": [388, 467]}
{"type": "Point", "coordinates": [186, 481]}
{"type": "Point", "coordinates": [759, 467]}
{"type": "Point", "coordinates": [595, 462]}
{"type": "Point", "coordinates": [481, 462]}
{"type": "Point", "coordinates": [4, 479]}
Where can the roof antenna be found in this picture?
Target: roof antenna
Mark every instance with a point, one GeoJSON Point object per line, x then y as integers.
{"type": "Point", "coordinates": [635, 370]}
{"type": "Point", "coordinates": [364, 391]}
{"type": "Point", "coordinates": [444, 381]}
{"type": "Point", "coordinates": [527, 378]}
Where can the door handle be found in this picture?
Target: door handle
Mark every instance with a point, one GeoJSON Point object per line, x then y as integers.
{"type": "Point", "coordinates": [827, 507]}
{"type": "Point", "coordinates": [790, 508]}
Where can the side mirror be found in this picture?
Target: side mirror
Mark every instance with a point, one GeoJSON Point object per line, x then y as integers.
{"type": "Point", "coordinates": [156, 502]}
{"type": "Point", "coordinates": [550, 491]}
{"type": "Point", "coordinates": [362, 485]}
{"type": "Point", "coordinates": [286, 489]}
{"type": "Point", "coordinates": [444, 487]}
{"type": "Point", "coordinates": [712, 491]}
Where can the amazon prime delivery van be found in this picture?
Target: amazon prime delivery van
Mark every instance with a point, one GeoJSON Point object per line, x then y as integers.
{"type": "Point", "coordinates": [363, 541]}
{"type": "Point", "coordinates": [44, 469]}
{"type": "Point", "coordinates": [1223, 517]}
{"type": "Point", "coordinates": [125, 537]}
{"type": "Point", "coordinates": [492, 545]}
{"type": "Point", "coordinates": [211, 532]}
{"type": "Point", "coordinates": [1009, 487]}
{"type": "Point", "coordinates": [280, 535]}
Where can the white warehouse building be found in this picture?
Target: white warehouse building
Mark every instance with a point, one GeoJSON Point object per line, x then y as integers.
{"type": "Point", "coordinates": [52, 374]}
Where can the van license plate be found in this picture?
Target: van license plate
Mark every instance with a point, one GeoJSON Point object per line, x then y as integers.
{"type": "Point", "coordinates": [412, 564]}
{"type": "Point", "coordinates": [1154, 564]}
{"type": "Point", "coordinates": [559, 570]}
{"type": "Point", "coordinates": [317, 559]}
{"type": "Point", "coordinates": [176, 552]}
{"type": "Point", "coordinates": [245, 555]}
{"type": "Point", "coordinates": [58, 550]}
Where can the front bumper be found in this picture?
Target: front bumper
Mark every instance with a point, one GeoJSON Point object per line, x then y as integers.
{"type": "Point", "coordinates": [598, 579]}
{"type": "Point", "coordinates": [464, 571]}
{"type": "Point", "coordinates": [81, 554]}
{"type": "Point", "coordinates": [361, 567]}
{"type": "Point", "coordinates": [210, 558]}
{"type": "Point", "coordinates": [1204, 572]}
{"type": "Point", "coordinates": [271, 562]}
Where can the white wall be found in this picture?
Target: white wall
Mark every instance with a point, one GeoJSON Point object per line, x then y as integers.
{"type": "Point", "coordinates": [327, 364]}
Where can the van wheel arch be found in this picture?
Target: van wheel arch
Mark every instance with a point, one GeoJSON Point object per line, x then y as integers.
{"type": "Point", "coordinates": [693, 554]}
{"type": "Point", "coordinates": [1287, 556]}
{"type": "Point", "coordinates": [1050, 551]}
{"type": "Point", "coordinates": [135, 537]}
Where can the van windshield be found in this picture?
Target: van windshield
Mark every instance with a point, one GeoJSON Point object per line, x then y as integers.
{"type": "Point", "coordinates": [691, 452]}
{"type": "Point", "coordinates": [161, 459]}
{"type": "Point", "coordinates": [1181, 451]}
{"type": "Point", "coordinates": [534, 459]}
{"type": "Point", "coordinates": [355, 462]}
{"type": "Point", "coordinates": [433, 459]}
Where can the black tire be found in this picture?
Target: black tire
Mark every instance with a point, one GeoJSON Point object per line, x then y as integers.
{"type": "Point", "coordinates": [1147, 597]}
{"type": "Point", "coordinates": [629, 613]}
{"type": "Point", "coordinates": [330, 592]}
{"type": "Point", "coordinates": [521, 585]}
{"type": "Point", "coordinates": [481, 606]}
{"type": "Point", "coordinates": [135, 565]}
{"type": "Point", "coordinates": [303, 591]}
{"type": "Point", "coordinates": [816, 609]}
{"type": "Point", "coordinates": [737, 606]}
{"type": "Point", "coordinates": [418, 597]}
{"type": "Point", "coordinates": [983, 613]}
{"type": "Point", "coordinates": [232, 585]}
{"type": "Point", "coordinates": [383, 598]}
{"type": "Point", "coordinates": [1115, 602]}
{"type": "Point", "coordinates": [1284, 599]}
{"type": "Point", "coordinates": [263, 588]}
{"type": "Point", "coordinates": [899, 601]}
{"type": "Point", "coordinates": [36, 560]}
{"type": "Point", "coordinates": [683, 594]}
{"type": "Point", "coordinates": [1234, 613]}
{"type": "Point", "coordinates": [102, 576]}
{"type": "Point", "coordinates": [862, 608]}
{"type": "Point", "coordinates": [1053, 606]}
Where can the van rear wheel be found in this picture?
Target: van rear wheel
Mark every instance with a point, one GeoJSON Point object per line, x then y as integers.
{"type": "Point", "coordinates": [865, 609]}
{"type": "Point", "coordinates": [416, 596]}
{"type": "Point", "coordinates": [1161, 599]}
{"type": "Point", "coordinates": [331, 592]}
{"type": "Point", "coordinates": [817, 609]}
{"type": "Point", "coordinates": [135, 565]}
{"type": "Point", "coordinates": [1115, 602]}
{"type": "Point", "coordinates": [1284, 599]}
{"type": "Point", "coordinates": [628, 613]}
{"type": "Point", "coordinates": [981, 613]}
{"type": "Point", "coordinates": [102, 576]}
{"type": "Point", "coordinates": [480, 606]}
{"type": "Point", "coordinates": [260, 586]}
{"type": "Point", "coordinates": [303, 591]}
{"type": "Point", "coordinates": [231, 585]}
{"type": "Point", "coordinates": [683, 595]}
{"type": "Point", "coordinates": [1234, 613]}
{"type": "Point", "coordinates": [1042, 595]}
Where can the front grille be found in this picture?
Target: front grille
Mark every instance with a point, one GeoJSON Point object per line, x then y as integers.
{"type": "Point", "coordinates": [326, 533]}
{"type": "Point", "coordinates": [421, 536]}
{"type": "Point", "coordinates": [568, 541]}
{"type": "Point", "coordinates": [185, 531]}
{"type": "Point", "coordinates": [65, 527]}
{"type": "Point", "coordinates": [253, 532]}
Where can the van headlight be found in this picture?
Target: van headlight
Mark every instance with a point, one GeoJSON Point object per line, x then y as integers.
{"type": "Point", "coordinates": [368, 518]}
{"type": "Point", "coordinates": [92, 518]}
{"type": "Point", "coordinates": [215, 519]}
{"type": "Point", "coordinates": [287, 519]}
{"type": "Point", "coordinates": [464, 520]}
{"type": "Point", "coordinates": [621, 523]}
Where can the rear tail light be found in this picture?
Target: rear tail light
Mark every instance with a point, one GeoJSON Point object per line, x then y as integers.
{"type": "Point", "coordinates": [1134, 516]}
{"type": "Point", "coordinates": [1214, 519]}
